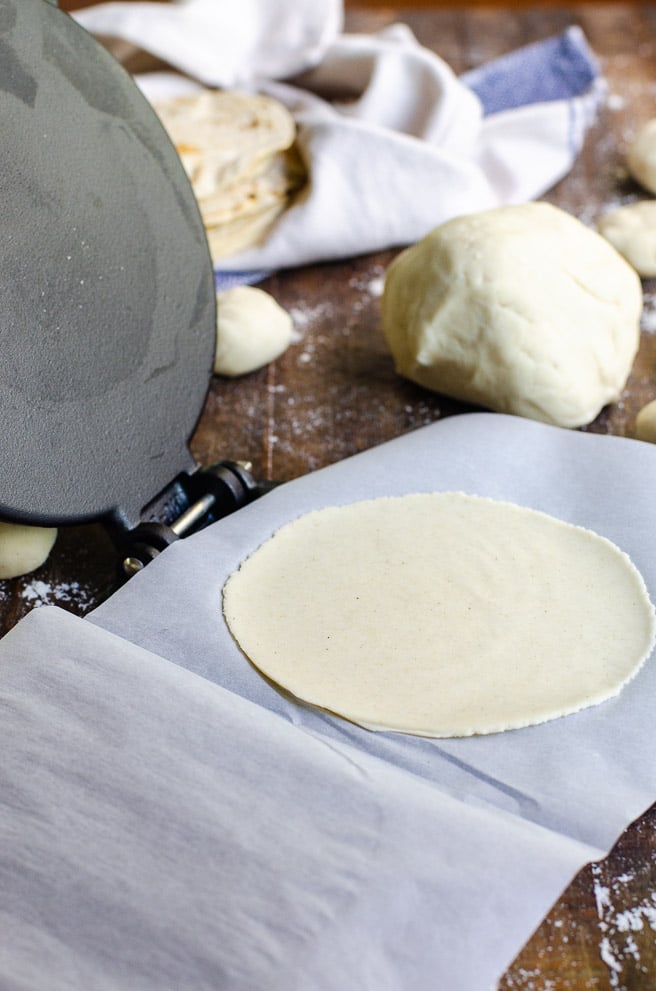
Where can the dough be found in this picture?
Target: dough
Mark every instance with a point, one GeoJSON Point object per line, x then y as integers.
{"type": "Point", "coordinates": [522, 309]}
{"type": "Point", "coordinates": [441, 614]}
{"type": "Point", "coordinates": [632, 230]}
{"type": "Point", "coordinates": [641, 156]}
{"type": "Point", "coordinates": [646, 423]}
{"type": "Point", "coordinates": [251, 330]}
{"type": "Point", "coordinates": [24, 548]}
{"type": "Point", "coordinates": [238, 150]}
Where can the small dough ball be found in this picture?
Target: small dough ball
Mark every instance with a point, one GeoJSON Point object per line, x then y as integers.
{"type": "Point", "coordinates": [522, 309]}
{"type": "Point", "coordinates": [632, 230]}
{"type": "Point", "coordinates": [641, 156]}
{"type": "Point", "coordinates": [251, 330]}
{"type": "Point", "coordinates": [645, 428]}
{"type": "Point", "coordinates": [24, 548]}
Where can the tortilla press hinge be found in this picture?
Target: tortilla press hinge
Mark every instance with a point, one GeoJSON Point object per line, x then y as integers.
{"type": "Point", "coordinates": [189, 504]}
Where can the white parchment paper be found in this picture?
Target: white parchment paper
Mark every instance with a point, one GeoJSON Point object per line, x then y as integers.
{"type": "Point", "coordinates": [169, 819]}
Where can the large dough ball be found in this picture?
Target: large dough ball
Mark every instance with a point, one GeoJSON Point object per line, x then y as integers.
{"type": "Point", "coordinates": [24, 548]}
{"type": "Point", "coordinates": [632, 230]}
{"type": "Point", "coordinates": [641, 156]}
{"type": "Point", "coordinates": [251, 330]}
{"type": "Point", "coordinates": [522, 309]}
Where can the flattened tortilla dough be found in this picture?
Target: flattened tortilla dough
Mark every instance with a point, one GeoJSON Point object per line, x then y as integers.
{"type": "Point", "coordinates": [441, 614]}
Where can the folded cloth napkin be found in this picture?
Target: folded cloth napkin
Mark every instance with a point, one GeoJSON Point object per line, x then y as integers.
{"type": "Point", "coordinates": [394, 142]}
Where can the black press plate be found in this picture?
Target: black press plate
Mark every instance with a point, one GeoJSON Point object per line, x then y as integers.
{"type": "Point", "coordinates": [107, 303]}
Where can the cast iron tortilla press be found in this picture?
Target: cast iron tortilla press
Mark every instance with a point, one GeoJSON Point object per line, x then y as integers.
{"type": "Point", "coordinates": [107, 322]}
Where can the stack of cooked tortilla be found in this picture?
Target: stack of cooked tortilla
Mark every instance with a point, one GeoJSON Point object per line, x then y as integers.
{"type": "Point", "coordinates": [239, 153]}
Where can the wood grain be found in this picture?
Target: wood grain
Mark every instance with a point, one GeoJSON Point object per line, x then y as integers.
{"type": "Point", "coordinates": [335, 392]}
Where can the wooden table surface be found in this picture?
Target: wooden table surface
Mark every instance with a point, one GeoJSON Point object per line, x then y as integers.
{"type": "Point", "coordinates": [335, 392]}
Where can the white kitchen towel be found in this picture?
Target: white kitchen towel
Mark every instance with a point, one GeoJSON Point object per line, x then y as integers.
{"type": "Point", "coordinates": [394, 142]}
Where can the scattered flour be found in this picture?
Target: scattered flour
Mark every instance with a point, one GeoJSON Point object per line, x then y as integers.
{"type": "Point", "coordinates": [615, 102]}
{"type": "Point", "coordinates": [621, 929]}
{"type": "Point", "coordinates": [533, 980]}
{"type": "Point", "coordinates": [306, 316]}
{"type": "Point", "coordinates": [40, 593]}
{"type": "Point", "coordinates": [371, 282]}
{"type": "Point", "coordinates": [376, 286]}
{"type": "Point", "coordinates": [622, 932]}
{"type": "Point", "coordinates": [310, 317]}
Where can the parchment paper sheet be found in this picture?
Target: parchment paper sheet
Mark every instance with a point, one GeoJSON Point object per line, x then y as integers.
{"type": "Point", "coordinates": [184, 825]}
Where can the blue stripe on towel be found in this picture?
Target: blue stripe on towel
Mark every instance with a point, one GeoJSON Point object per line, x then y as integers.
{"type": "Point", "coordinates": [556, 69]}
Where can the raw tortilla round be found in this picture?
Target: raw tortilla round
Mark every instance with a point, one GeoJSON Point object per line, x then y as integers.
{"type": "Point", "coordinates": [441, 614]}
